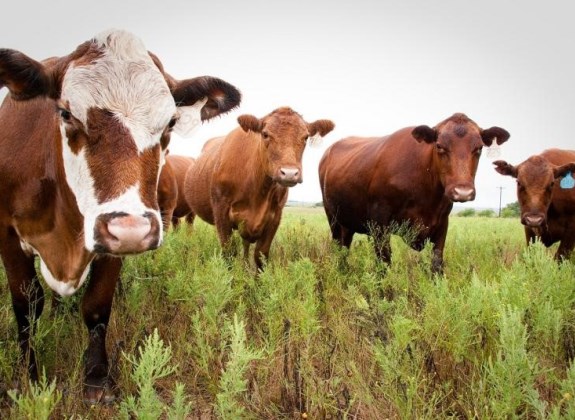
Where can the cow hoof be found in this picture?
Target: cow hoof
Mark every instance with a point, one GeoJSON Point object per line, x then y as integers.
{"type": "Point", "coordinates": [98, 394]}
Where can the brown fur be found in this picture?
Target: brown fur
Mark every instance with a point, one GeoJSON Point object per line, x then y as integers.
{"type": "Point", "coordinates": [411, 176]}
{"type": "Point", "coordinates": [542, 199]}
{"type": "Point", "coordinates": [39, 208]}
{"type": "Point", "coordinates": [237, 181]}
{"type": "Point", "coordinates": [173, 204]}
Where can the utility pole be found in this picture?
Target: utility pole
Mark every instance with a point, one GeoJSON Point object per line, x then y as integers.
{"type": "Point", "coordinates": [500, 194]}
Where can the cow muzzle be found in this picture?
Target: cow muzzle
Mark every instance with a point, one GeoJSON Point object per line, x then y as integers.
{"type": "Point", "coordinates": [288, 177]}
{"type": "Point", "coordinates": [533, 220]}
{"type": "Point", "coordinates": [122, 233]}
{"type": "Point", "coordinates": [461, 194]}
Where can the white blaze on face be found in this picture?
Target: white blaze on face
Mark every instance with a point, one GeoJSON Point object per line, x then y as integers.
{"type": "Point", "coordinates": [125, 82]}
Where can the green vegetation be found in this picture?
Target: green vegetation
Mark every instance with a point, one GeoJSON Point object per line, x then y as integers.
{"type": "Point", "coordinates": [321, 332]}
{"type": "Point", "coordinates": [511, 210]}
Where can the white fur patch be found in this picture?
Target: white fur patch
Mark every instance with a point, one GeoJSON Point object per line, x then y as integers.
{"type": "Point", "coordinates": [126, 82]}
{"type": "Point", "coordinates": [64, 287]}
{"type": "Point", "coordinates": [190, 118]}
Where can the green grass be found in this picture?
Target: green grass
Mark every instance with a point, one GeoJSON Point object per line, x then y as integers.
{"type": "Point", "coordinates": [321, 331]}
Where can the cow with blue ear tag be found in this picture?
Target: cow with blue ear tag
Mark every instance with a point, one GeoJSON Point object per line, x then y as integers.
{"type": "Point", "coordinates": [546, 197]}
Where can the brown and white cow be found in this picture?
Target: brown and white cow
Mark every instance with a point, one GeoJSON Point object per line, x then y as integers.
{"type": "Point", "coordinates": [412, 176]}
{"type": "Point", "coordinates": [82, 138]}
{"type": "Point", "coordinates": [547, 209]}
{"type": "Point", "coordinates": [241, 181]}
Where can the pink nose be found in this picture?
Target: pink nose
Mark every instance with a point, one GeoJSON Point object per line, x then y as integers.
{"type": "Point", "coordinates": [533, 220]}
{"type": "Point", "coordinates": [120, 233]}
{"type": "Point", "coordinates": [289, 176]}
{"type": "Point", "coordinates": [463, 194]}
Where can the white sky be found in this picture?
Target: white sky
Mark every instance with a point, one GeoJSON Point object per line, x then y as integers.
{"type": "Point", "coordinates": [370, 66]}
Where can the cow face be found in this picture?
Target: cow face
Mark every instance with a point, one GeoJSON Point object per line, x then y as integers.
{"type": "Point", "coordinates": [457, 144]}
{"type": "Point", "coordinates": [284, 135]}
{"type": "Point", "coordinates": [115, 108]}
{"type": "Point", "coordinates": [536, 179]}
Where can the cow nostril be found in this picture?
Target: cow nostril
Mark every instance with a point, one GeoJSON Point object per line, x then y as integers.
{"type": "Point", "coordinates": [289, 173]}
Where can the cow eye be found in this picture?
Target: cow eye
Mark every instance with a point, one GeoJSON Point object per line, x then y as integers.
{"type": "Point", "coordinates": [265, 135]}
{"type": "Point", "coordinates": [172, 122]}
{"type": "Point", "coordinates": [440, 149]}
{"type": "Point", "coordinates": [65, 114]}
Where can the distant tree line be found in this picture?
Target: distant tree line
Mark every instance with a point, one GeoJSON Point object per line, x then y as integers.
{"type": "Point", "coordinates": [510, 210]}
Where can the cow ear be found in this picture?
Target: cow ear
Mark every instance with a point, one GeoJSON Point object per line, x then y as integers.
{"type": "Point", "coordinates": [250, 123]}
{"type": "Point", "coordinates": [498, 134]}
{"type": "Point", "coordinates": [424, 133]}
{"type": "Point", "coordinates": [221, 96]}
{"type": "Point", "coordinates": [561, 171]}
{"type": "Point", "coordinates": [321, 127]}
{"type": "Point", "coordinates": [200, 99]}
{"type": "Point", "coordinates": [505, 168]}
{"type": "Point", "coordinates": [24, 77]}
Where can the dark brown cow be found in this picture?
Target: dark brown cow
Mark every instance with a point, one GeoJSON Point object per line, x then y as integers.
{"type": "Point", "coordinates": [412, 176]}
{"type": "Point", "coordinates": [241, 181]}
{"type": "Point", "coordinates": [81, 140]}
{"type": "Point", "coordinates": [547, 209]}
{"type": "Point", "coordinates": [180, 165]}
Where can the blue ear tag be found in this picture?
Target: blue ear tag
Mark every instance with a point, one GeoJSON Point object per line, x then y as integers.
{"type": "Point", "coordinates": [567, 182]}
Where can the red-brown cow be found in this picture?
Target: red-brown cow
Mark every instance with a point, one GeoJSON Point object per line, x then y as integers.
{"type": "Point", "coordinates": [241, 181]}
{"type": "Point", "coordinates": [171, 200]}
{"type": "Point", "coordinates": [180, 165]}
{"type": "Point", "coordinates": [547, 209]}
{"type": "Point", "coordinates": [167, 193]}
{"type": "Point", "coordinates": [412, 176]}
{"type": "Point", "coordinates": [91, 128]}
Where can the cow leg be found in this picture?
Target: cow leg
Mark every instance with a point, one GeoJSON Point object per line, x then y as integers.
{"type": "Point", "coordinates": [565, 246]}
{"type": "Point", "coordinates": [264, 243]}
{"type": "Point", "coordinates": [167, 217]}
{"type": "Point", "coordinates": [438, 241]}
{"type": "Point", "coordinates": [246, 249]}
{"type": "Point", "coordinates": [190, 218]}
{"type": "Point", "coordinates": [96, 308]}
{"type": "Point", "coordinates": [341, 235]}
{"type": "Point", "coordinates": [27, 295]}
{"type": "Point", "coordinates": [225, 229]}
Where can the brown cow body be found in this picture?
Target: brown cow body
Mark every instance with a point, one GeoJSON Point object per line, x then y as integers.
{"type": "Point", "coordinates": [81, 140]}
{"type": "Point", "coordinates": [412, 176]}
{"type": "Point", "coordinates": [241, 181]}
{"type": "Point", "coordinates": [547, 210]}
{"type": "Point", "coordinates": [171, 199]}
{"type": "Point", "coordinates": [167, 193]}
{"type": "Point", "coordinates": [180, 165]}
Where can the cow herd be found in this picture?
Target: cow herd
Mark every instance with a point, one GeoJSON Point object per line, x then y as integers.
{"type": "Point", "coordinates": [86, 178]}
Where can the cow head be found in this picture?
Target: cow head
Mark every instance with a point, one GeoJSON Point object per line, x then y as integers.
{"type": "Point", "coordinates": [457, 144]}
{"type": "Point", "coordinates": [115, 108]}
{"type": "Point", "coordinates": [536, 178]}
{"type": "Point", "coordinates": [284, 135]}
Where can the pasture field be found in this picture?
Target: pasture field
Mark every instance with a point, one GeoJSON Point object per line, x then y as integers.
{"type": "Point", "coordinates": [320, 334]}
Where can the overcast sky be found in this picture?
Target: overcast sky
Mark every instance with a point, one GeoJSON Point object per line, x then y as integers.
{"type": "Point", "coordinates": [370, 66]}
